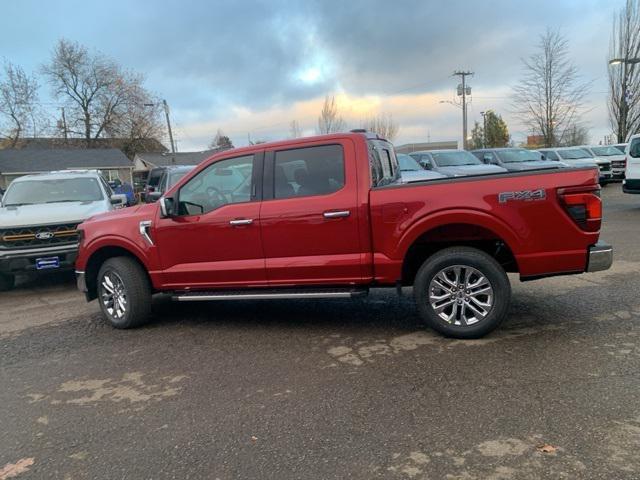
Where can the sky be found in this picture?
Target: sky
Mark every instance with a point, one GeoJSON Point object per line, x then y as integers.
{"type": "Point", "coordinates": [251, 67]}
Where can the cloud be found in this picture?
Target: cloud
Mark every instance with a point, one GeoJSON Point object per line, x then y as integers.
{"type": "Point", "coordinates": [256, 65]}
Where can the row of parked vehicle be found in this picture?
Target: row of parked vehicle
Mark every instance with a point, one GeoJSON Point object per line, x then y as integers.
{"type": "Point", "coordinates": [432, 164]}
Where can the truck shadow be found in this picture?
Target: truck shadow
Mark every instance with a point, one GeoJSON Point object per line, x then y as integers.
{"type": "Point", "coordinates": [381, 309]}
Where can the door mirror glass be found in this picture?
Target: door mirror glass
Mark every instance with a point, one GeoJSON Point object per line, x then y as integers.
{"type": "Point", "coordinates": [152, 197]}
{"type": "Point", "coordinates": [166, 207]}
{"type": "Point", "coordinates": [118, 200]}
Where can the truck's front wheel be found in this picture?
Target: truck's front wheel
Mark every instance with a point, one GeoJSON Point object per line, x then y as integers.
{"type": "Point", "coordinates": [462, 292]}
{"type": "Point", "coordinates": [124, 292]}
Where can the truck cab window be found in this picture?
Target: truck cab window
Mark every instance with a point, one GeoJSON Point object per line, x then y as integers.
{"type": "Point", "coordinates": [223, 182]}
{"type": "Point", "coordinates": [308, 171]}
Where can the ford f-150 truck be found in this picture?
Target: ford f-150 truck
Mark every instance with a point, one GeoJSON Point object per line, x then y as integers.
{"type": "Point", "coordinates": [327, 217]}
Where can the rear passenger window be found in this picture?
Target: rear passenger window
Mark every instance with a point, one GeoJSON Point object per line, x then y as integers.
{"type": "Point", "coordinates": [634, 148]}
{"type": "Point", "coordinates": [308, 171]}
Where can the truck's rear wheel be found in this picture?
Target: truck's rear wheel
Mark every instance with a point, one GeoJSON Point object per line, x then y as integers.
{"type": "Point", "coordinates": [124, 292]}
{"type": "Point", "coordinates": [7, 281]}
{"type": "Point", "coordinates": [462, 292]}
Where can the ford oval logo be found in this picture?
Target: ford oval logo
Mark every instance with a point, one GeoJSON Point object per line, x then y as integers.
{"type": "Point", "coordinates": [44, 235]}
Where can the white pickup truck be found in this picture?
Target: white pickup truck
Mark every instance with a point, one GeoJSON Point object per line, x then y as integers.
{"type": "Point", "coordinates": [39, 215]}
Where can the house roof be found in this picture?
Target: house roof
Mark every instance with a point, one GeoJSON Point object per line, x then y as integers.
{"type": "Point", "coordinates": [178, 158]}
{"type": "Point", "coordinates": [129, 146]}
{"type": "Point", "coordinates": [13, 161]}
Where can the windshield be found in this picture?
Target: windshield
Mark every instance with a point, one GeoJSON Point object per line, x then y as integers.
{"type": "Point", "coordinates": [620, 147]}
{"type": "Point", "coordinates": [176, 176]}
{"type": "Point", "coordinates": [407, 163]}
{"type": "Point", "coordinates": [455, 158]}
{"type": "Point", "coordinates": [31, 192]}
{"type": "Point", "coordinates": [574, 154]}
{"type": "Point", "coordinates": [607, 151]}
{"type": "Point", "coordinates": [518, 155]}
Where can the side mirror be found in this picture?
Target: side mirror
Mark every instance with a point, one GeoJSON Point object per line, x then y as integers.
{"type": "Point", "coordinates": [152, 197]}
{"type": "Point", "coordinates": [119, 200]}
{"type": "Point", "coordinates": [166, 207]}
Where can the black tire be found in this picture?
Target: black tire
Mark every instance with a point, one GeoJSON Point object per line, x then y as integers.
{"type": "Point", "coordinates": [7, 281]}
{"type": "Point", "coordinates": [479, 261]}
{"type": "Point", "coordinates": [136, 290]}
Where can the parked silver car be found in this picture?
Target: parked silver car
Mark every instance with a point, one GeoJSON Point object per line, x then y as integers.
{"type": "Point", "coordinates": [454, 163]}
{"type": "Point", "coordinates": [411, 171]}
{"type": "Point", "coordinates": [514, 159]}
{"type": "Point", "coordinates": [609, 153]}
{"type": "Point", "coordinates": [579, 157]}
{"type": "Point", "coordinates": [39, 215]}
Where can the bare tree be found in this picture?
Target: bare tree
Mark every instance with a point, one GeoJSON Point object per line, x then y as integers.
{"type": "Point", "coordinates": [383, 125]}
{"type": "Point", "coordinates": [18, 102]}
{"type": "Point", "coordinates": [330, 120]}
{"type": "Point", "coordinates": [624, 78]}
{"type": "Point", "coordinates": [576, 134]}
{"type": "Point", "coordinates": [97, 91]}
{"type": "Point", "coordinates": [294, 129]}
{"type": "Point", "coordinates": [139, 119]}
{"type": "Point", "coordinates": [549, 98]}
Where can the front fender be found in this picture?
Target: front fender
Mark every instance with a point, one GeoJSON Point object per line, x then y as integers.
{"type": "Point", "coordinates": [141, 253]}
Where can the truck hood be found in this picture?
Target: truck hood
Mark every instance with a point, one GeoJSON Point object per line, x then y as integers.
{"type": "Point", "coordinates": [49, 213]}
{"type": "Point", "coordinates": [470, 170]}
{"type": "Point", "coordinates": [581, 162]}
{"type": "Point", "coordinates": [603, 160]}
{"type": "Point", "coordinates": [532, 165]}
{"type": "Point", "coordinates": [123, 213]}
{"type": "Point", "coordinates": [419, 176]}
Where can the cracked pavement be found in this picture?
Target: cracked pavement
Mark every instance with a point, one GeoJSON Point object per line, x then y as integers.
{"type": "Point", "coordinates": [329, 389]}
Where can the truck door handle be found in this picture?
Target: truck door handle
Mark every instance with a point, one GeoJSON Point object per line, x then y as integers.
{"type": "Point", "coordinates": [241, 221]}
{"type": "Point", "coordinates": [338, 214]}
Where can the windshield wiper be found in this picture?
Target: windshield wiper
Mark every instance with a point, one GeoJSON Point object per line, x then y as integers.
{"type": "Point", "coordinates": [65, 201]}
{"type": "Point", "coordinates": [17, 204]}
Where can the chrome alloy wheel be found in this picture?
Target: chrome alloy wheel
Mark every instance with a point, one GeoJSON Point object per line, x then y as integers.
{"type": "Point", "coordinates": [461, 295]}
{"type": "Point", "coordinates": [113, 294]}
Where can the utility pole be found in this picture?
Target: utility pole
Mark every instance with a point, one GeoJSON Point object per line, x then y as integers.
{"type": "Point", "coordinates": [463, 92]}
{"type": "Point", "coordinates": [166, 114]}
{"type": "Point", "coordinates": [64, 126]}
{"type": "Point", "coordinates": [484, 129]}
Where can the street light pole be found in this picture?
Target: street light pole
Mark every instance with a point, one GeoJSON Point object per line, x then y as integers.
{"type": "Point", "coordinates": [484, 129]}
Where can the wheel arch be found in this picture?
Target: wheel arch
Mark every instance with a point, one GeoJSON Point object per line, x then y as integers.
{"type": "Point", "coordinates": [101, 255]}
{"type": "Point", "coordinates": [478, 230]}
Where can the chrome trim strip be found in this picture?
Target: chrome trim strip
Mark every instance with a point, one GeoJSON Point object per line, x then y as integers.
{"type": "Point", "coordinates": [145, 225]}
{"type": "Point", "coordinates": [37, 251]}
{"type": "Point", "coordinates": [261, 296]}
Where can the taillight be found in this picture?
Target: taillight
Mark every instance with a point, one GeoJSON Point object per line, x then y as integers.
{"type": "Point", "coordinates": [584, 206]}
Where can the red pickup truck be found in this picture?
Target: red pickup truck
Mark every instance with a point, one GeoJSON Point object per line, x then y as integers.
{"type": "Point", "coordinates": [330, 217]}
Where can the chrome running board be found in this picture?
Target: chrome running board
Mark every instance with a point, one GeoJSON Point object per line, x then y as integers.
{"type": "Point", "coordinates": [283, 294]}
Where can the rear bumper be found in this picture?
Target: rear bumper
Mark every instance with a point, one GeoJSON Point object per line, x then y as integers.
{"type": "Point", "coordinates": [600, 257]}
{"type": "Point", "coordinates": [631, 185]}
{"type": "Point", "coordinates": [24, 260]}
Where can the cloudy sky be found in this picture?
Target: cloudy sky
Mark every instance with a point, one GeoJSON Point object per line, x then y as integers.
{"type": "Point", "coordinates": [250, 68]}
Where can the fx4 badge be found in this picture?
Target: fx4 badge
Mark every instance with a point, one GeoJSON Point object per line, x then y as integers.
{"type": "Point", "coordinates": [523, 195]}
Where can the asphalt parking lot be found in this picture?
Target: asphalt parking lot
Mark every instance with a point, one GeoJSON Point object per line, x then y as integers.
{"type": "Point", "coordinates": [329, 389]}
